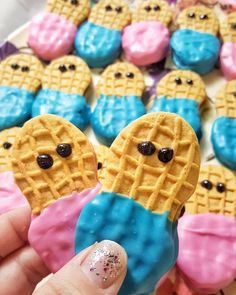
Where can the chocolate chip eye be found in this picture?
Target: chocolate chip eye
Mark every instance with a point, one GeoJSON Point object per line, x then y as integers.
{"type": "Point", "coordinates": [189, 82]}
{"type": "Point", "coordinates": [108, 8]}
{"type": "Point", "coordinates": [206, 184]}
{"type": "Point", "coordinates": [220, 187]}
{"type": "Point", "coordinates": [130, 75]}
{"type": "Point", "coordinates": [156, 8]}
{"type": "Point", "coordinates": [72, 67]}
{"type": "Point", "coordinates": [15, 66]}
{"type": "Point", "coordinates": [191, 15]}
{"type": "Point", "coordinates": [74, 2]}
{"type": "Point", "coordinates": [119, 9]}
{"type": "Point", "coordinates": [7, 145]}
{"type": "Point", "coordinates": [45, 161]}
{"type": "Point", "coordinates": [178, 81]}
{"type": "Point", "coordinates": [64, 150]}
{"type": "Point", "coordinates": [203, 16]}
{"type": "Point", "coordinates": [148, 8]}
{"type": "Point", "coordinates": [25, 69]}
{"type": "Point", "coordinates": [146, 148]}
{"type": "Point", "coordinates": [99, 165]}
{"type": "Point", "coordinates": [234, 94]}
{"type": "Point", "coordinates": [165, 155]}
{"type": "Point", "coordinates": [118, 75]}
{"type": "Point", "coordinates": [62, 68]}
{"type": "Point", "coordinates": [233, 26]}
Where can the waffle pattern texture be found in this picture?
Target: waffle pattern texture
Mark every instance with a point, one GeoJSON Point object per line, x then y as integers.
{"type": "Point", "coordinates": [41, 136]}
{"type": "Point", "coordinates": [227, 30]}
{"type": "Point", "coordinates": [211, 200]}
{"type": "Point", "coordinates": [225, 100]}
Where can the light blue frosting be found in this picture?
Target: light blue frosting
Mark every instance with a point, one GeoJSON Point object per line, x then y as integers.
{"type": "Point", "coordinates": [194, 50]}
{"type": "Point", "coordinates": [113, 113]}
{"type": "Point", "coordinates": [15, 106]}
{"type": "Point", "coordinates": [223, 137]}
{"type": "Point", "coordinates": [72, 107]}
{"type": "Point", "coordinates": [149, 239]}
{"type": "Point", "coordinates": [97, 45]}
{"type": "Point", "coordinates": [188, 109]}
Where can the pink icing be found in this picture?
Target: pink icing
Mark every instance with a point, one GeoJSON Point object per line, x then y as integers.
{"type": "Point", "coordinates": [10, 194]}
{"type": "Point", "coordinates": [228, 60]}
{"type": "Point", "coordinates": [207, 251]}
{"type": "Point", "coordinates": [51, 36]}
{"type": "Point", "coordinates": [51, 233]}
{"type": "Point", "coordinates": [145, 43]}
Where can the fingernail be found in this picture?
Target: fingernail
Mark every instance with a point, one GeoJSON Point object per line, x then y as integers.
{"type": "Point", "coordinates": [105, 263]}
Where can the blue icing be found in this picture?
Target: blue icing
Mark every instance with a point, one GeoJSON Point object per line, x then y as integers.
{"type": "Point", "coordinates": [149, 239]}
{"type": "Point", "coordinates": [72, 107]}
{"type": "Point", "coordinates": [186, 108]}
{"type": "Point", "coordinates": [97, 45]}
{"type": "Point", "coordinates": [113, 113]}
{"type": "Point", "coordinates": [15, 106]}
{"type": "Point", "coordinates": [194, 50]}
{"type": "Point", "coordinates": [223, 137]}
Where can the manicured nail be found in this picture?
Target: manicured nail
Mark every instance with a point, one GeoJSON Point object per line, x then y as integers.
{"type": "Point", "coordinates": [105, 263]}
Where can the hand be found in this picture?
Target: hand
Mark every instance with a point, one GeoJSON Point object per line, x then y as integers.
{"type": "Point", "coordinates": [99, 269]}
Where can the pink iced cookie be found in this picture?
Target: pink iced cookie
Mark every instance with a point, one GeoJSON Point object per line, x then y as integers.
{"type": "Point", "coordinates": [51, 233]}
{"type": "Point", "coordinates": [228, 60]}
{"type": "Point", "coordinates": [145, 42]}
{"type": "Point", "coordinates": [207, 244]}
{"type": "Point", "coordinates": [11, 196]}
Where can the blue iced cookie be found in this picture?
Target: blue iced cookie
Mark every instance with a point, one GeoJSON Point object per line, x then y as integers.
{"type": "Point", "coordinates": [144, 191]}
{"type": "Point", "coordinates": [98, 41]}
{"type": "Point", "coordinates": [20, 78]}
{"type": "Point", "coordinates": [63, 85]}
{"type": "Point", "coordinates": [195, 45]}
{"type": "Point", "coordinates": [119, 102]}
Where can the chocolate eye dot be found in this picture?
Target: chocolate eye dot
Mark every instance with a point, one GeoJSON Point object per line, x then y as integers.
{"type": "Point", "coordinates": [156, 8]}
{"type": "Point", "coordinates": [15, 66]}
{"type": "Point", "coordinates": [220, 187]}
{"type": "Point", "coordinates": [99, 165]}
{"type": "Point", "coordinates": [178, 81]}
{"type": "Point", "coordinates": [118, 75]}
{"type": "Point", "coordinates": [130, 75]}
{"type": "Point", "coordinates": [206, 184]}
{"type": "Point", "coordinates": [165, 155]}
{"type": "Point", "coordinates": [72, 67]}
{"type": "Point", "coordinates": [234, 94]}
{"type": "Point", "coordinates": [7, 145]}
{"type": "Point", "coordinates": [189, 82]}
{"type": "Point", "coordinates": [25, 69]}
{"type": "Point", "coordinates": [233, 26]}
{"type": "Point", "coordinates": [191, 15]}
{"type": "Point", "coordinates": [74, 2]}
{"type": "Point", "coordinates": [64, 150]}
{"type": "Point", "coordinates": [45, 161]}
{"type": "Point", "coordinates": [119, 9]}
{"type": "Point", "coordinates": [108, 8]}
{"type": "Point", "coordinates": [148, 8]}
{"type": "Point", "coordinates": [62, 68]}
{"type": "Point", "coordinates": [203, 16]}
{"type": "Point", "coordinates": [146, 148]}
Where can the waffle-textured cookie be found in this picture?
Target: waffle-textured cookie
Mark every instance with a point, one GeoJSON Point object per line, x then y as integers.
{"type": "Point", "coordinates": [228, 28]}
{"type": "Point", "coordinates": [102, 154]}
{"type": "Point", "coordinates": [182, 84]}
{"type": "Point", "coordinates": [155, 161]}
{"type": "Point", "coordinates": [215, 192]}
{"type": "Point", "coordinates": [52, 159]}
{"type": "Point", "coordinates": [7, 138]}
{"type": "Point", "coordinates": [199, 18]}
{"type": "Point", "coordinates": [23, 71]}
{"type": "Point", "coordinates": [121, 79]}
{"type": "Point", "coordinates": [73, 10]}
{"type": "Point", "coordinates": [112, 14]}
{"type": "Point", "coordinates": [153, 10]}
{"type": "Point", "coordinates": [226, 100]}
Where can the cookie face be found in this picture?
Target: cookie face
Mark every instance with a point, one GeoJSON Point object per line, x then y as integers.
{"type": "Point", "coordinates": [7, 138]}
{"type": "Point", "coordinates": [121, 79]}
{"type": "Point", "coordinates": [23, 71]}
{"type": "Point", "coordinates": [112, 14]}
{"type": "Point", "coordinates": [199, 18]}
{"type": "Point", "coordinates": [52, 159]}
{"type": "Point", "coordinates": [155, 161]}
{"type": "Point", "coordinates": [102, 154]}
{"type": "Point", "coordinates": [153, 10]}
{"type": "Point", "coordinates": [226, 100]}
{"type": "Point", "coordinates": [182, 84]}
{"type": "Point", "coordinates": [73, 10]}
{"type": "Point", "coordinates": [228, 28]}
{"type": "Point", "coordinates": [68, 74]}
{"type": "Point", "coordinates": [215, 192]}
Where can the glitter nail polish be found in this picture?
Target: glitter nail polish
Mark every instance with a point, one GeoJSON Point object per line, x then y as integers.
{"type": "Point", "coordinates": [104, 264]}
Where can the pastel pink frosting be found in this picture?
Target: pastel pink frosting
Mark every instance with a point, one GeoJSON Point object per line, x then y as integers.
{"type": "Point", "coordinates": [11, 196]}
{"type": "Point", "coordinates": [207, 251]}
{"type": "Point", "coordinates": [228, 60]}
{"type": "Point", "coordinates": [51, 233]}
{"type": "Point", "coordinates": [51, 36]}
{"type": "Point", "coordinates": [145, 43]}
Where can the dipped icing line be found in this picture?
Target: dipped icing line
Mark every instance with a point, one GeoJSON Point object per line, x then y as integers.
{"type": "Point", "coordinates": [97, 45]}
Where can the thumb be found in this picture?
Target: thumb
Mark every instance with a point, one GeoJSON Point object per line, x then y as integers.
{"type": "Point", "coordinates": [99, 269]}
